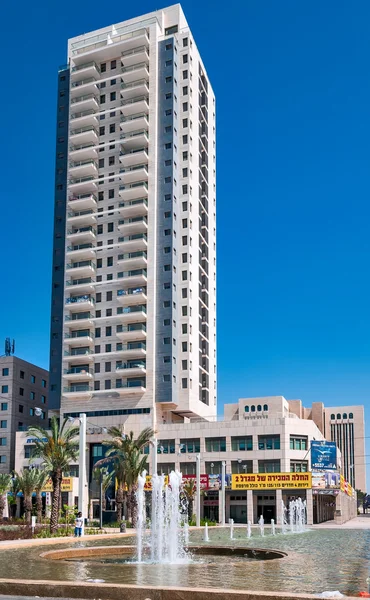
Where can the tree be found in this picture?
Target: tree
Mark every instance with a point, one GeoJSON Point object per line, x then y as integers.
{"type": "Point", "coordinates": [5, 484]}
{"type": "Point", "coordinates": [57, 448]}
{"type": "Point", "coordinates": [189, 487]}
{"type": "Point", "coordinates": [14, 489]}
{"type": "Point", "coordinates": [102, 475]}
{"type": "Point", "coordinates": [124, 453]}
{"type": "Point", "coordinates": [27, 480]}
{"type": "Point", "coordinates": [41, 479]}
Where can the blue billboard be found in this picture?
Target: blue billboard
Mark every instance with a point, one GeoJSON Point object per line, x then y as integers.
{"type": "Point", "coordinates": [323, 456]}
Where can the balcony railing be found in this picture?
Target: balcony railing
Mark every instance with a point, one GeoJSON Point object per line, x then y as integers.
{"type": "Point", "coordinates": [138, 50]}
{"type": "Point", "coordinates": [128, 86]}
{"type": "Point", "coordinates": [79, 316]}
{"type": "Point", "coordinates": [83, 163]}
{"type": "Point", "coordinates": [81, 180]}
{"type": "Point", "coordinates": [101, 40]}
{"type": "Point", "coordinates": [80, 247]}
{"type": "Point", "coordinates": [126, 136]}
{"type": "Point", "coordinates": [85, 66]}
{"type": "Point", "coordinates": [78, 370]}
{"type": "Point", "coordinates": [131, 346]}
{"type": "Point", "coordinates": [133, 327]}
{"type": "Point", "coordinates": [133, 202]}
{"type": "Point", "coordinates": [82, 387]}
{"type": "Point", "coordinates": [76, 84]}
{"type": "Point", "coordinates": [79, 334]}
{"type": "Point", "coordinates": [135, 168]}
{"type": "Point", "coordinates": [78, 352]}
{"type": "Point", "coordinates": [132, 292]}
{"type": "Point", "coordinates": [131, 384]}
{"type": "Point", "coordinates": [78, 299]}
{"type": "Point", "coordinates": [132, 273]}
{"type": "Point", "coordinates": [76, 147]}
{"type": "Point", "coordinates": [140, 364]}
{"type": "Point", "coordinates": [83, 98]}
{"type": "Point", "coordinates": [81, 263]}
{"type": "Point", "coordinates": [131, 238]}
{"type": "Point", "coordinates": [134, 100]}
{"type": "Point", "coordinates": [81, 230]}
{"type": "Point", "coordinates": [135, 68]}
{"type": "Point", "coordinates": [82, 281]}
{"type": "Point", "coordinates": [84, 113]}
{"type": "Point", "coordinates": [133, 309]}
{"type": "Point", "coordinates": [81, 213]}
{"type": "Point", "coordinates": [84, 129]}
{"type": "Point", "coordinates": [130, 255]}
{"type": "Point", "coordinates": [134, 151]}
{"type": "Point", "coordinates": [132, 220]}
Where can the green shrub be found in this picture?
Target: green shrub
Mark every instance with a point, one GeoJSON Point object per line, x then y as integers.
{"type": "Point", "coordinates": [193, 522]}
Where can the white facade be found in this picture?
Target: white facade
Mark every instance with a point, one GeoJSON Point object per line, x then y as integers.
{"type": "Point", "coordinates": [140, 261]}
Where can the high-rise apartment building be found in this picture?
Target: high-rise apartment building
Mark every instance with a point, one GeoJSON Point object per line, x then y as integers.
{"type": "Point", "coordinates": [23, 402]}
{"type": "Point", "coordinates": [133, 331]}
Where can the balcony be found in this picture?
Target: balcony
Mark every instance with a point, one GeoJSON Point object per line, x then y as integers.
{"type": "Point", "coordinates": [84, 102]}
{"type": "Point", "coordinates": [85, 85]}
{"type": "Point", "coordinates": [83, 135]}
{"type": "Point", "coordinates": [84, 284]}
{"type": "Point", "coordinates": [132, 296]}
{"type": "Point", "coordinates": [133, 260]}
{"type": "Point", "coordinates": [83, 267]}
{"type": "Point", "coordinates": [108, 45]}
{"type": "Point", "coordinates": [133, 243]}
{"type": "Point", "coordinates": [84, 117]}
{"type": "Point", "coordinates": [134, 73]}
{"type": "Point", "coordinates": [137, 277]}
{"type": "Point", "coordinates": [79, 355]}
{"type": "Point", "coordinates": [88, 69]}
{"type": "Point", "coordinates": [82, 185]}
{"type": "Point", "coordinates": [137, 156]}
{"type": "Point", "coordinates": [78, 303]}
{"type": "Point", "coordinates": [132, 349]}
{"type": "Point", "coordinates": [132, 314]}
{"type": "Point", "coordinates": [81, 234]}
{"type": "Point", "coordinates": [82, 217]}
{"type": "Point", "coordinates": [137, 55]}
{"type": "Point", "coordinates": [133, 225]}
{"type": "Point", "coordinates": [78, 337]}
{"type": "Point", "coordinates": [82, 201]}
{"type": "Point", "coordinates": [81, 251]}
{"type": "Point", "coordinates": [135, 122]}
{"type": "Point", "coordinates": [140, 87]}
{"type": "Point", "coordinates": [83, 151]}
{"type": "Point", "coordinates": [131, 367]}
{"type": "Point", "coordinates": [80, 319]}
{"type": "Point", "coordinates": [80, 373]}
{"type": "Point", "coordinates": [78, 390]}
{"type": "Point", "coordinates": [132, 208]}
{"type": "Point", "coordinates": [135, 173]}
{"type": "Point", "coordinates": [133, 191]}
{"type": "Point", "coordinates": [83, 168]}
{"type": "Point", "coordinates": [134, 140]}
{"type": "Point", "coordinates": [131, 387]}
{"type": "Point", "coordinates": [136, 331]}
{"type": "Point", "coordinates": [138, 104]}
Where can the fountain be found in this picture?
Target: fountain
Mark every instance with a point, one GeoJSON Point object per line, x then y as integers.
{"type": "Point", "coordinates": [206, 536]}
{"type": "Point", "coordinates": [261, 523]}
{"type": "Point", "coordinates": [273, 528]}
{"type": "Point", "coordinates": [249, 529]}
{"type": "Point", "coordinates": [231, 521]}
{"type": "Point", "coordinates": [167, 533]}
{"type": "Point", "coordinates": [297, 515]}
{"type": "Point", "coordinates": [284, 522]}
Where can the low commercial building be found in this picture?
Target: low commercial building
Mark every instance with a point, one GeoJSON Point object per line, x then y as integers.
{"type": "Point", "coordinates": [268, 456]}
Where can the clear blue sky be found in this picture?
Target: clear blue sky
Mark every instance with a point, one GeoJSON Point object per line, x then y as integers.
{"type": "Point", "coordinates": [293, 94]}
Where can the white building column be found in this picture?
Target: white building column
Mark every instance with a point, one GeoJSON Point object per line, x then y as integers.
{"type": "Point", "coordinates": [279, 511]}
{"type": "Point", "coordinates": [309, 502]}
{"type": "Point", "coordinates": [250, 516]}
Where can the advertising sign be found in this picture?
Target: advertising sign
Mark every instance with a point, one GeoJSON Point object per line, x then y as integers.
{"type": "Point", "coordinates": [271, 481]}
{"type": "Point", "coordinates": [323, 456]}
{"type": "Point", "coordinates": [148, 483]}
{"type": "Point", "coordinates": [67, 485]}
{"type": "Point", "coordinates": [325, 480]}
{"type": "Point", "coordinates": [345, 486]}
{"type": "Point", "coordinates": [204, 481]}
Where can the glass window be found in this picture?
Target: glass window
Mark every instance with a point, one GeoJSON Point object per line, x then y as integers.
{"type": "Point", "coordinates": [166, 447]}
{"type": "Point", "coordinates": [214, 468]}
{"type": "Point", "coordinates": [43, 383]}
{"type": "Point", "coordinates": [4, 406]}
{"type": "Point", "coordinates": [259, 408]}
{"type": "Point", "coordinates": [269, 466]}
{"type": "Point", "coordinates": [4, 389]}
{"type": "Point", "coordinates": [298, 467]}
{"type": "Point", "coordinates": [27, 451]}
{"type": "Point", "coordinates": [265, 407]}
{"type": "Point", "coordinates": [3, 424]}
{"type": "Point", "coordinates": [33, 379]}
{"type": "Point", "coordinates": [332, 416]}
{"type": "Point", "coordinates": [216, 445]}
{"type": "Point", "coordinates": [2, 459]}
{"type": "Point", "coordinates": [339, 416]}
{"type": "Point", "coordinates": [190, 446]}
{"type": "Point", "coordinates": [246, 409]}
{"type": "Point", "coordinates": [21, 374]}
{"type": "Point", "coordinates": [242, 443]}
{"type": "Point", "coordinates": [5, 372]}
{"type": "Point", "coordinates": [253, 408]}
{"type": "Point", "coordinates": [3, 441]}
{"type": "Point", "coordinates": [269, 442]}
{"type": "Point", "coordinates": [298, 442]}
{"type": "Point", "coordinates": [351, 415]}
{"type": "Point", "coordinates": [242, 466]}
{"type": "Point", "coordinates": [345, 416]}
{"type": "Point", "coordinates": [32, 395]}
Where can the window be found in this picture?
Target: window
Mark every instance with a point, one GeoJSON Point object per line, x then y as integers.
{"type": "Point", "coordinates": [213, 468]}
{"type": "Point", "coordinates": [167, 249]}
{"type": "Point", "coordinates": [184, 383]}
{"type": "Point", "coordinates": [298, 442]}
{"type": "Point", "coordinates": [166, 378]}
{"type": "Point", "coordinates": [5, 372]}
{"type": "Point", "coordinates": [184, 365]}
{"type": "Point", "coordinates": [3, 424]}
{"type": "Point", "coordinates": [2, 459]}
{"type": "Point", "coordinates": [184, 58]}
{"type": "Point", "coordinates": [2, 441]}
{"type": "Point", "coordinates": [184, 311]}
{"type": "Point", "coordinates": [184, 293]}
{"type": "Point", "coordinates": [298, 467]}
{"type": "Point", "coordinates": [43, 383]}
{"type": "Point", "coordinates": [168, 79]}
{"type": "Point", "coordinates": [107, 384]}
{"type": "Point", "coordinates": [4, 389]}
{"type": "Point", "coordinates": [350, 416]}
{"type": "Point", "coordinates": [242, 443]}
{"type": "Point", "coordinates": [185, 42]}
{"type": "Point", "coordinates": [168, 63]}
{"type": "Point", "coordinates": [269, 466]}
{"type": "Point", "coordinates": [166, 322]}
{"type": "Point", "coordinates": [185, 90]}
{"type": "Point", "coordinates": [332, 416]}
{"type": "Point", "coordinates": [33, 379]}
{"type": "Point", "coordinates": [103, 67]}
{"type": "Point", "coordinates": [190, 446]}
{"type": "Point", "coordinates": [108, 367]}
{"type": "Point", "coordinates": [113, 64]}
{"type": "Point", "coordinates": [166, 267]}
{"type": "Point", "coordinates": [265, 407]}
{"type": "Point", "coordinates": [102, 99]}
{"type": "Point", "coordinates": [269, 442]}
{"type": "Point", "coordinates": [109, 296]}
{"type": "Point", "coordinates": [108, 347]}
{"type": "Point", "coordinates": [166, 304]}
{"type": "Point", "coordinates": [184, 346]}
{"type": "Point", "coordinates": [184, 275]}
{"type": "Point", "coordinates": [171, 30]}
{"type": "Point", "coordinates": [110, 194]}
{"type": "Point", "coordinates": [339, 416]}
{"type": "Point", "coordinates": [167, 214]}
{"type": "Point", "coordinates": [43, 399]}
{"type": "Point", "coordinates": [4, 406]}
{"type": "Point", "coordinates": [21, 391]}
{"type": "Point", "coordinates": [184, 327]}
{"type": "Point", "coordinates": [97, 332]}
{"type": "Point", "coordinates": [241, 466]}
{"type": "Point", "coordinates": [110, 226]}
{"type": "Point", "coordinates": [27, 451]}
{"type": "Point", "coordinates": [112, 129]}
{"type": "Point", "coordinates": [216, 444]}
{"type": "Point", "coordinates": [166, 359]}
{"type": "Point", "coordinates": [32, 412]}
{"type": "Point", "coordinates": [112, 96]}
{"type": "Point", "coordinates": [185, 74]}
{"type": "Point", "coordinates": [166, 447]}
{"type": "Point", "coordinates": [168, 46]}
{"type": "Point", "coordinates": [21, 374]}
{"type": "Point", "coordinates": [167, 340]}
{"type": "Point", "coordinates": [167, 285]}
{"type": "Point", "coordinates": [167, 232]}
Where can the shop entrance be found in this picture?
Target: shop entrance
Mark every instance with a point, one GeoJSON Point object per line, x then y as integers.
{"type": "Point", "coordinates": [266, 506]}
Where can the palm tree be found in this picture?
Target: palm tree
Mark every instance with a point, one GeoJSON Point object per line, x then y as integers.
{"type": "Point", "coordinates": [27, 480]}
{"type": "Point", "coordinates": [102, 475]}
{"type": "Point", "coordinates": [58, 448]}
{"type": "Point", "coordinates": [189, 487]}
{"type": "Point", "coordinates": [124, 454]}
{"type": "Point", "coordinates": [5, 484]}
{"type": "Point", "coordinates": [14, 489]}
{"type": "Point", "coordinates": [41, 479]}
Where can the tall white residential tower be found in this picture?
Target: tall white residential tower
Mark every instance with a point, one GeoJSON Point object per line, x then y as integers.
{"type": "Point", "coordinates": [133, 331]}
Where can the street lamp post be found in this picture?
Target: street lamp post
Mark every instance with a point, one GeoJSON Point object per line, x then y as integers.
{"type": "Point", "coordinates": [82, 469]}
{"type": "Point", "coordinates": [198, 489]}
{"type": "Point", "coordinates": [223, 495]}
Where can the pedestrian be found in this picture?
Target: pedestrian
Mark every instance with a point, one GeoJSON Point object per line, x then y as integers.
{"type": "Point", "coordinates": [78, 525]}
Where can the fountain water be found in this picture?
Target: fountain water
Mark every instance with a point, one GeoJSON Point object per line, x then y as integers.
{"type": "Point", "coordinates": [297, 515]}
{"type": "Point", "coordinates": [261, 523]}
{"type": "Point", "coordinates": [231, 521]}
{"type": "Point", "coordinates": [167, 533]}
{"type": "Point", "coordinates": [249, 529]}
{"type": "Point", "coordinates": [205, 535]}
{"type": "Point", "coordinates": [186, 534]}
{"type": "Point", "coordinates": [273, 528]}
{"type": "Point", "coordinates": [284, 522]}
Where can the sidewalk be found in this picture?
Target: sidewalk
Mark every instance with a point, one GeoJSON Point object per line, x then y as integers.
{"type": "Point", "coordinates": [359, 522]}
